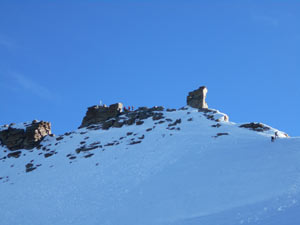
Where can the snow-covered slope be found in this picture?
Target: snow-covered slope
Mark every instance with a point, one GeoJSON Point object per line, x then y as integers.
{"type": "Point", "coordinates": [187, 168]}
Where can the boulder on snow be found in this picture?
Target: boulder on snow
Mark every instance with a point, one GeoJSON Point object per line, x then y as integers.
{"type": "Point", "coordinates": [25, 137]}
{"type": "Point", "coordinates": [196, 99]}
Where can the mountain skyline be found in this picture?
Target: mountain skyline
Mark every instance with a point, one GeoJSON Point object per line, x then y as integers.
{"type": "Point", "coordinates": [58, 58]}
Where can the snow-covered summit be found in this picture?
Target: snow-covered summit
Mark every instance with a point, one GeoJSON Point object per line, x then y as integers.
{"type": "Point", "coordinates": [173, 167]}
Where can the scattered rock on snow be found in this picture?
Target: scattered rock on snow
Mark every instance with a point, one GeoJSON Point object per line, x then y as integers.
{"type": "Point", "coordinates": [175, 123]}
{"type": "Point", "coordinates": [29, 167]}
{"type": "Point", "coordinates": [256, 127]}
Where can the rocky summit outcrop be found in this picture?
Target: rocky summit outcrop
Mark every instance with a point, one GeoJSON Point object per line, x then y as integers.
{"type": "Point", "coordinates": [113, 116]}
{"type": "Point", "coordinates": [98, 114]}
{"type": "Point", "coordinates": [26, 136]}
{"type": "Point", "coordinates": [103, 117]}
{"type": "Point", "coordinates": [196, 99]}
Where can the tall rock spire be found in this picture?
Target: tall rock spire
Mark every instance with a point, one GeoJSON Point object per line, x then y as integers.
{"type": "Point", "coordinates": [196, 99]}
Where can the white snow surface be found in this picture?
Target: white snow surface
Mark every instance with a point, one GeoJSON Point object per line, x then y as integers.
{"type": "Point", "coordinates": [185, 176]}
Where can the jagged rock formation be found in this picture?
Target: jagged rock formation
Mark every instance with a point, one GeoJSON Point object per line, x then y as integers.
{"type": "Point", "coordinates": [26, 137]}
{"type": "Point", "coordinates": [99, 114]}
{"type": "Point", "coordinates": [100, 117]}
{"type": "Point", "coordinates": [113, 116]}
{"type": "Point", "coordinates": [196, 99]}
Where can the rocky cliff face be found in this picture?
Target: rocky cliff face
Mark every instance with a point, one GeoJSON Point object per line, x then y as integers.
{"type": "Point", "coordinates": [97, 118]}
{"type": "Point", "coordinates": [99, 114]}
{"type": "Point", "coordinates": [27, 136]}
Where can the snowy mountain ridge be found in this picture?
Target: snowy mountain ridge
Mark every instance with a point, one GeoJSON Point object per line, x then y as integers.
{"type": "Point", "coordinates": [176, 167]}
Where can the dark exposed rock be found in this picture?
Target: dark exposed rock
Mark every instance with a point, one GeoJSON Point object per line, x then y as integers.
{"type": "Point", "coordinates": [221, 134]}
{"type": "Point", "coordinates": [48, 155]}
{"type": "Point", "coordinates": [29, 167]}
{"type": "Point", "coordinates": [103, 117]}
{"type": "Point", "coordinates": [130, 121]}
{"type": "Point", "coordinates": [256, 127]}
{"type": "Point", "coordinates": [94, 127]}
{"type": "Point", "coordinates": [107, 124]}
{"type": "Point", "coordinates": [207, 110]}
{"type": "Point", "coordinates": [95, 143]}
{"type": "Point", "coordinates": [175, 123]}
{"type": "Point", "coordinates": [85, 148]}
{"type": "Point", "coordinates": [157, 108]}
{"type": "Point", "coordinates": [157, 116]}
{"type": "Point", "coordinates": [27, 138]}
{"type": "Point", "coordinates": [142, 115]}
{"type": "Point", "coordinates": [216, 125]}
{"type": "Point", "coordinates": [59, 138]}
{"type": "Point", "coordinates": [109, 144]}
{"type": "Point", "coordinates": [196, 99]}
{"type": "Point", "coordinates": [171, 110]}
{"type": "Point", "coordinates": [99, 114]}
{"type": "Point", "coordinates": [183, 108]}
{"type": "Point", "coordinates": [135, 142]}
{"type": "Point", "coordinates": [210, 114]}
{"type": "Point", "coordinates": [149, 129]}
{"type": "Point", "coordinates": [139, 122]}
{"type": "Point", "coordinates": [118, 123]}
{"type": "Point", "coordinates": [142, 137]}
{"type": "Point", "coordinates": [89, 155]}
{"type": "Point", "coordinates": [210, 117]}
{"type": "Point", "coordinates": [15, 154]}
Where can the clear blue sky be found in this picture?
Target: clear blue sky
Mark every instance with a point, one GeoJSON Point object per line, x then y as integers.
{"type": "Point", "coordinates": [59, 57]}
